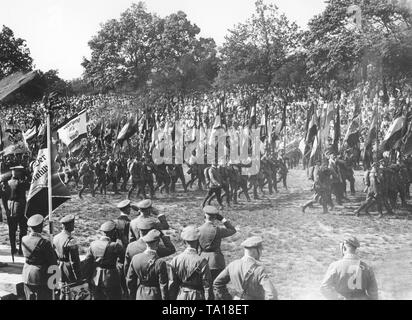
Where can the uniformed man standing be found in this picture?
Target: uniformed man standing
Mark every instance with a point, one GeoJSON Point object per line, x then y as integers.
{"type": "Point", "coordinates": [349, 278]}
{"type": "Point", "coordinates": [16, 190]}
{"type": "Point", "coordinates": [147, 277]}
{"type": "Point", "coordinates": [122, 228]}
{"type": "Point", "coordinates": [102, 258]}
{"type": "Point", "coordinates": [67, 252]}
{"type": "Point", "coordinates": [211, 235]}
{"type": "Point", "coordinates": [191, 274]}
{"type": "Point", "coordinates": [165, 248]}
{"type": "Point", "coordinates": [39, 255]}
{"type": "Point", "coordinates": [247, 275]}
{"type": "Point", "coordinates": [146, 212]}
{"type": "Point", "coordinates": [87, 173]}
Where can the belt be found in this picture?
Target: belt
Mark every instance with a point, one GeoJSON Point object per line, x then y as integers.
{"type": "Point", "coordinates": [191, 288]}
{"type": "Point", "coordinates": [211, 250]}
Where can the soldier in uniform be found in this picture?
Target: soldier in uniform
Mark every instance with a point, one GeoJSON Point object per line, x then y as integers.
{"type": "Point", "coordinates": [136, 171]}
{"type": "Point", "coordinates": [146, 212]}
{"type": "Point", "coordinates": [148, 170]}
{"type": "Point", "coordinates": [163, 178]}
{"type": "Point", "coordinates": [123, 172]}
{"type": "Point", "coordinates": [100, 171]}
{"type": "Point", "coordinates": [349, 278]}
{"type": "Point", "coordinates": [67, 252]}
{"type": "Point", "coordinates": [165, 248]}
{"type": "Point", "coordinates": [39, 255]}
{"type": "Point", "coordinates": [211, 235]}
{"type": "Point", "coordinates": [375, 183]}
{"type": "Point", "coordinates": [147, 277]}
{"type": "Point", "coordinates": [192, 279]}
{"type": "Point", "coordinates": [111, 174]}
{"type": "Point", "coordinates": [16, 191]}
{"type": "Point", "coordinates": [215, 179]}
{"type": "Point", "coordinates": [87, 173]}
{"type": "Point", "coordinates": [101, 262]}
{"type": "Point", "coordinates": [178, 174]}
{"type": "Point", "coordinates": [247, 275]}
{"type": "Point", "coordinates": [73, 171]}
{"type": "Point", "coordinates": [122, 228]}
{"type": "Point", "coordinates": [322, 186]}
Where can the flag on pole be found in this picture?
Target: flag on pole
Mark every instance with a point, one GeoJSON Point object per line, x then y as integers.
{"type": "Point", "coordinates": [72, 131]}
{"type": "Point", "coordinates": [37, 200]}
{"type": "Point", "coordinates": [393, 135]}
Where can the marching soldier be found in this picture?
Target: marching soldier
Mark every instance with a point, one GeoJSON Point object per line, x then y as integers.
{"type": "Point", "coordinates": [147, 277]}
{"type": "Point", "coordinates": [165, 248]}
{"type": "Point", "coordinates": [136, 171]}
{"type": "Point", "coordinates": [67, 252]}
{"type": "Point", "coordinates": [102, 258]}
{"type": "Point", "coordinates": [210, 239]}
{"type": "Point", "coordinates": [349, 278]}
{"type": "Point", "coordinates": [247, 275]}
{"type": "Point", "coordinates": [375, 184]}
{"type": "Point", "coordinates": [100, 171]}
{"type": "Point", "coordinates": [111, 174]}
{"type": "Point", "coordinates": [87, 172]}
{"type": "Point", "coordinates": [213, 176]}
{"type": "Point", "coordinates": [146, 212]}
{"type": "Point", "coordinates": [322, 187]}
{"type": "Point", "coordinates": [16, 190]}
{"type": "Point", "coordinates": [191, 274]}
{"type": "Point", "coordinates": [39, 255]}
{"type": "Point", "coordinates": [123, 172]}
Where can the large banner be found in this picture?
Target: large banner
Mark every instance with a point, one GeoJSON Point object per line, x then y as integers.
{"type": "Point", "coordinates": [73, 131]}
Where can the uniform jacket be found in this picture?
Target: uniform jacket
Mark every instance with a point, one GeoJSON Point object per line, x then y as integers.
{"type": "Point", "coordinates": [351, 279]}
{"type": "Point", "coordinates": [166, 248]}
{"type": "Point", "coordinates": [122, 227]}
{"type": "Point", "coordinates": [102, 258]}
{"type": "Point", "coordinates": [68, 256]}
{"type": "Point", "coordinates": [147, 277]}
{"type": "Point", "coordinates": [257, 287]}
{"type": "Point", "coordinates": [192, 279]}
{"type": "Point", "coordinates": [210, 240]}
{"type": "Point", "coordinates": [37, 260]}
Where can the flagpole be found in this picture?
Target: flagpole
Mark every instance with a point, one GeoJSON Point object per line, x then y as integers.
{"type": "Point", "coordinates": [49, 176]}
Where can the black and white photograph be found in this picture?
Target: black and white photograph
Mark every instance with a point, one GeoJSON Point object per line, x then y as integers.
{"type": "Point", "coordinates": [219, 150]}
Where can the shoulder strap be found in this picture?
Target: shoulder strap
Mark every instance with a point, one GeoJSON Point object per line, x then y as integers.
{"type": "Point", "coordinates": [197, 270]}
{"type": "Point", "coordinates": [248, 275]}
{"type": "Point", "coordinates": [65, 245]}
{"type": "Point", "coordinates": [37, 248]}
{"type": "Point", "coordinates": [150, 264]}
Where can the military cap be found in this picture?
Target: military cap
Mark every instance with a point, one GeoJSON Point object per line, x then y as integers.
{"type": "Point", "coordinates": [190, 233]}
{"type": "Point", "coordinates": [123, 205]}
{"type": "Point", "coordinates": [17, 168]}
{"type": "Point", "coordinates": [67, 219]}
{"type": "Point", "coordinates": [146, 223]}
{"type": "Point", "coordinates": [252, 242]}
{"type": "Point", "coordinates": [351, 240]}
{"type": "Point", "coordinates": [35, 220]}
{"type": "Point", "coordinates": [151, 236]}
{"type": "Point", "coordinates": [108, 226]}
{"type": "Point", "coordinates": [210, 210]}
{"type": "Point", "coordinates": [144, 204]}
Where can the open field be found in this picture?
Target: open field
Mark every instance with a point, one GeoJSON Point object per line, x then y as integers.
{"type": "Point", "coordinates": [298, 247]}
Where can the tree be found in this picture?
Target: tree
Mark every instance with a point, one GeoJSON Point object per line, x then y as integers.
{"type": "Point", "coordinates": [14, 54]}
{"type": "Point", "coordinates": [254, 51]}
{"type": "Point", "coordinates": [143, 51]}
{"type": "Point", "coordinates": [339, 50]}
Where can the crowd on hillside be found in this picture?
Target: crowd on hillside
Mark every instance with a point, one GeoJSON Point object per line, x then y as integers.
{"type": "Point", "coordinates": [236, 107]}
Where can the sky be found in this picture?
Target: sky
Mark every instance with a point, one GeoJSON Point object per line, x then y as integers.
{"type": "Point", "coordinates": [57, 31]}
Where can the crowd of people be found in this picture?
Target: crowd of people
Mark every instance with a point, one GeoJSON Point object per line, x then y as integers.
{"type": "Point", "coordinates": [127, 261]}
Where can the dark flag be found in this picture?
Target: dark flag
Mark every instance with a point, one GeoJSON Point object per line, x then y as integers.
{"type": "Point", "coordinates": [393, 135]}
{"type": "Point", "coordinates": [37, 200]}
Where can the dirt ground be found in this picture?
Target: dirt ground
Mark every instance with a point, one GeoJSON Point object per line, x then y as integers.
{"type": "Point", "coordinates": [298, 246]}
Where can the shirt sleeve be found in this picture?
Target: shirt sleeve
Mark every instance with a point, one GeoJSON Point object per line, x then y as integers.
{"type": "Point", "coordinates": [167, 248]}
{"type": "Point", "coordinates": [219, 285]}
{"type": "Point", "coordinates": [131, 281]}
{"type": "Point", "coordinates": [372, 289]}
{"type": "Point", "coordinates": [267, 285]}
{"type": "Point", "coordinates": [228, 230]}
{"type": "Point", "coordinates": [327, 287]}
